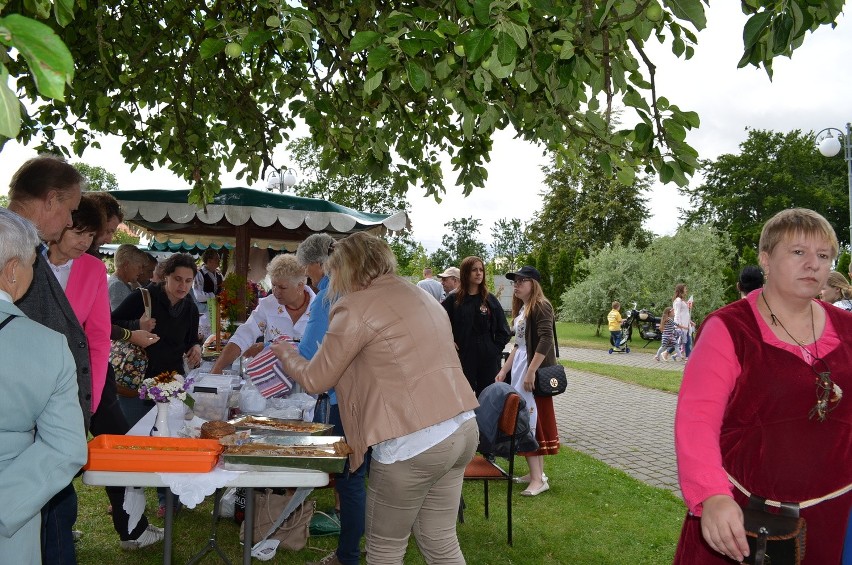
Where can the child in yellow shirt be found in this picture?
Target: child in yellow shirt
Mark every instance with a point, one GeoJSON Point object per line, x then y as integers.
{"type": "Point", "coordinates": [614, 319]}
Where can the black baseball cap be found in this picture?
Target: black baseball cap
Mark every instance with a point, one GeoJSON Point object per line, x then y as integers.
{"type": "Point", "coordinates": [525, 271]}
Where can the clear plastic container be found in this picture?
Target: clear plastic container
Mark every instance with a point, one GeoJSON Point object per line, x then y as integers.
{"type": "Point", "coordinates": [211, 400]}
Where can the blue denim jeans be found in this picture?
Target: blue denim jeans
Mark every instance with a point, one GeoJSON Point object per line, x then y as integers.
{"type": "Point", "coordinates": [57, 522]}
{"type": "Point", "coordinates": [353, 502]}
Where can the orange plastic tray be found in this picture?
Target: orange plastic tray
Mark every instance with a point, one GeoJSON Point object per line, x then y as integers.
{"type": "Point", "coordinates": [152, 454]}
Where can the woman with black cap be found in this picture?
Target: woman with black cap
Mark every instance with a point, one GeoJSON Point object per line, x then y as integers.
{"type": "Point", "coordinates": [534, 347]}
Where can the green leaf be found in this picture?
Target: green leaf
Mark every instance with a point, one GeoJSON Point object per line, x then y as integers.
{"type": "Point", "coordinates": [506, 48]}
{"type": "Point", "coordinates": [626, 175]}
{"type": "Point", "coordinates": [363, 40]}
{"type": "Point", "coordinates": [448, 28]}
{"type": "Point", "coordinates": [482, 11]}
{"type": "Point", "coordinates": [692, 10]}
{"type": "Point", "coordinates": [411, 47]}
{"type": "Point", "coordinates": [10, 108]}
{"type": "Point", "coordinates": [416, 76]}
{"type": "Point", "coordinates": [372, 83]}
{"type": "Point", "coordinates": [782, 29]}
{"type": "Point", "coordinates": [477, 42]}
{"type": "Point", "coordinates": [379, 57]}
{"type": "Point", "coordinates": [753, 29]}
{"type": "Point", "coordinates": [211, 47]}
{"type": "Point", "coordinates": [464, 7]}
{"type": "Point", "coordinates": [64, 11]}
{"type": "Point", "coordinates": [517, 33]}
{"type": "Point", "coordinates": [47, 56]}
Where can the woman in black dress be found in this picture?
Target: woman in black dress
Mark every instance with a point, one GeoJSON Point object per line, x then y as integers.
{"type": "Point", "coordinates": [480, 330]}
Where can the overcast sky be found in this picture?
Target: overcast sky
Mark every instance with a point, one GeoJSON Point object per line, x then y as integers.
{"type": "Point", "coordinates": [809, 92]}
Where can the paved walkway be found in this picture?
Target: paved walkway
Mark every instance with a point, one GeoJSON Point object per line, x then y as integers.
{"type": "Point", "coordinates": [624, 425]}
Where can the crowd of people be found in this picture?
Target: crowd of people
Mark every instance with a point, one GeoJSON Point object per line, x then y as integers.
{"type": "Point", "coordinates": [398, 368]}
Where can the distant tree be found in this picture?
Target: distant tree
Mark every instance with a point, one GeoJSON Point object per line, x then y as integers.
{"type": "Point", "coordinates": [411, 256]}
{"type": "Point", "coordinates": [843, 264]}
{"type": "Point", "coordinates": [647, 276]}
{"type": "Point", "coordinates": [459, 241]}
{"type": "Point", "coordinates": [4, 201]}
{"type": "Point", "coordinates": [97, 178]}
{"type": "Point", "coordinates": [122, 236]}
{"type": "Point", "coordinates": [586, 207]}
{"type": "Point", "coordinates": [773, 171]}
{"type": "Point", "coordinates": [509, 243]}
{"type": "Point", "coordinates": [543, 267]}
{"type": "Point", "coordinates": [352, 185]}
{"type": "Point", "coordinates": [562, 272]}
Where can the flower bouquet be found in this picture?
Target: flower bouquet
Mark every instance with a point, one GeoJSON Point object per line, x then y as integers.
{"type": "Point", "coordinates": [162, 389]}
{"type": "Point", "coordinates": [166, 386]}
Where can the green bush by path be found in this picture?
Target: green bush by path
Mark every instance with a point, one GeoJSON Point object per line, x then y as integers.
{"type": "Point", "coordinates": [593, 514]}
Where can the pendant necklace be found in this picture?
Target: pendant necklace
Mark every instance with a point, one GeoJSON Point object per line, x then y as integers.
{"type": "Point", "coordinates": [777, 322]}
{"type": "Point", "coordinates": [829, 393]}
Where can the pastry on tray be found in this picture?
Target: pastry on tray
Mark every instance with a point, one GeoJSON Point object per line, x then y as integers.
{"type": "Point", "coordinates": [216, 429]}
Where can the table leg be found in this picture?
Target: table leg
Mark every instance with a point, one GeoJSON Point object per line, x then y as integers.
{"type": "Point", "coordinates": [167, 530]}
{"type": "Point", "coordinates": [248, 522]}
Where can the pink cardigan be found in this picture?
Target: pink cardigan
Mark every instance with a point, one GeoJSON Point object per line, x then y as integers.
{"type": "Point", "coordinates": [708, 380]}
{"type": "Point", "coordinates": [87, 292]}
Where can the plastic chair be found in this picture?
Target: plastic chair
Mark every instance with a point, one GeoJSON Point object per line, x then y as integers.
{"type": "Point", "coordinates": [484, 469]}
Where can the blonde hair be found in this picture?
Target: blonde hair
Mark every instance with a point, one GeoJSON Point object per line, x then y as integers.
{"type": "Point", "coordinates": [286, 267]}
{"type": "Point", "coordinates": [537, 298]}
{"type": "Point", "coordinates": [802, 221]}
{"type": "Point", "coordinates": [356, 260]}
{"type": "Point", "coordinates": [838, 281]}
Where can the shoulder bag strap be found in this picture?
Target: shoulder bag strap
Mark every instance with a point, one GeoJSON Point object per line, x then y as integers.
{"type": "Point", "coordinates": [555, 340]}
{"type": "Point", "coordinates": [7, 320]}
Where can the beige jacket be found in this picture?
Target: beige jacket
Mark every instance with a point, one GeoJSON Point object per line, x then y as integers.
{"type": "Point", "coordinates": [390, 357]}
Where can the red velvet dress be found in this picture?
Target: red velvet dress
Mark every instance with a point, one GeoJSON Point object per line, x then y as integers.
{"type": "Point", "coordinates": [771, 447]}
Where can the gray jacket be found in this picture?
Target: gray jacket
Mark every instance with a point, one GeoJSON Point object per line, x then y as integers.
{"type": "Point", "coordinates": [491, 440]}
{"type": "Point", "coordinates": [45, 303]}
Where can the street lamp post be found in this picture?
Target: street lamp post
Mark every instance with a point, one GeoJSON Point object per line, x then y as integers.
{"type": "Point", "coordinates": [281, 179]}
{"type": "Point", "coordinates": [830, 144]}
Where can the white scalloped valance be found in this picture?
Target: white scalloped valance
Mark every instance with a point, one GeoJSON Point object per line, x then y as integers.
{"type": "Point", "coordinates": [262, 216]}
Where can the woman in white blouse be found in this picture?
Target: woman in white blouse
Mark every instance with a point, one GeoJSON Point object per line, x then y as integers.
{"type": "Point", "coordinates": [284, 312]}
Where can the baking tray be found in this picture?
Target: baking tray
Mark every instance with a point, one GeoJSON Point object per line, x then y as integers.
{"type": "Point", "coordinates": [263, 426]}
{"type": "Point", "coordinates": [152, 454]}
{"type": "Point", "coordinates": [267, 462]}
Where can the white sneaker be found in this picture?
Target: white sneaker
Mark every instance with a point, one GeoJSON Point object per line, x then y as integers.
{"type": "Point", "coordinates": [150, 536]}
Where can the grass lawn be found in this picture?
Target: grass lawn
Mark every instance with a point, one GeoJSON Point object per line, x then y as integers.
{"type": "Point", "coordinates": [593, 514]}
{"type": "Point", "coordinates": [660, 379]}
{"type": "Point", "coordinates": [571, 334]}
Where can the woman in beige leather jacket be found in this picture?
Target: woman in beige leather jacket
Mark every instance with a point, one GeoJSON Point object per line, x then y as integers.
{"type": "Point", "coordinates": [390, 357]}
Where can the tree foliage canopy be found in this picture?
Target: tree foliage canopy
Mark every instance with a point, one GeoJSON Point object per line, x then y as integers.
{"type": "Point", "coordinates": [697, 257]}
{"type": "Point", "coordinates": [460, 241]}
{"type": "Point", "coordinates": [198, 85]}
{"type": "Point", "coordinates": [350, 186]}
{"type": "Point", "coordinates": [97, 178]}
{"type": "Point", "coordinates": [586, 210]}
{"type": "Point", "coordinates": [509, 242]}
{"type": "Point", "coordinates": [772, 172]}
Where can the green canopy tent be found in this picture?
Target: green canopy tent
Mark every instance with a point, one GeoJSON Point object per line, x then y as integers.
{"type": "Point", "coordinates": [245, 218]}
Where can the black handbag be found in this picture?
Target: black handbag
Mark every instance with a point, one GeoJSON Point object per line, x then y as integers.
{"type": "Point", "coordinates": [550, 381]}
{"type": "Point", "coordinates": [774, 539]}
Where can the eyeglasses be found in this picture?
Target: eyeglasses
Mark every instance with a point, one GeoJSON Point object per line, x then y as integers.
{"type": "Point", "coordinates": [520, 280]}
{"type": "Point", "coordinates": [827, 392]}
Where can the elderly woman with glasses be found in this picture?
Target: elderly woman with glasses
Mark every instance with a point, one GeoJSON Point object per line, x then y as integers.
{"type": "Point", "coordinates": [42, 438]}
{"type": "Point", "coordinates": [401, 391]}
{"type": "Point", "coordinates": [760, 408]}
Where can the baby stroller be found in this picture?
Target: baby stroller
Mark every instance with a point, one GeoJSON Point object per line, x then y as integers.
{"type": "Point", "coordinates": [621, 346]}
